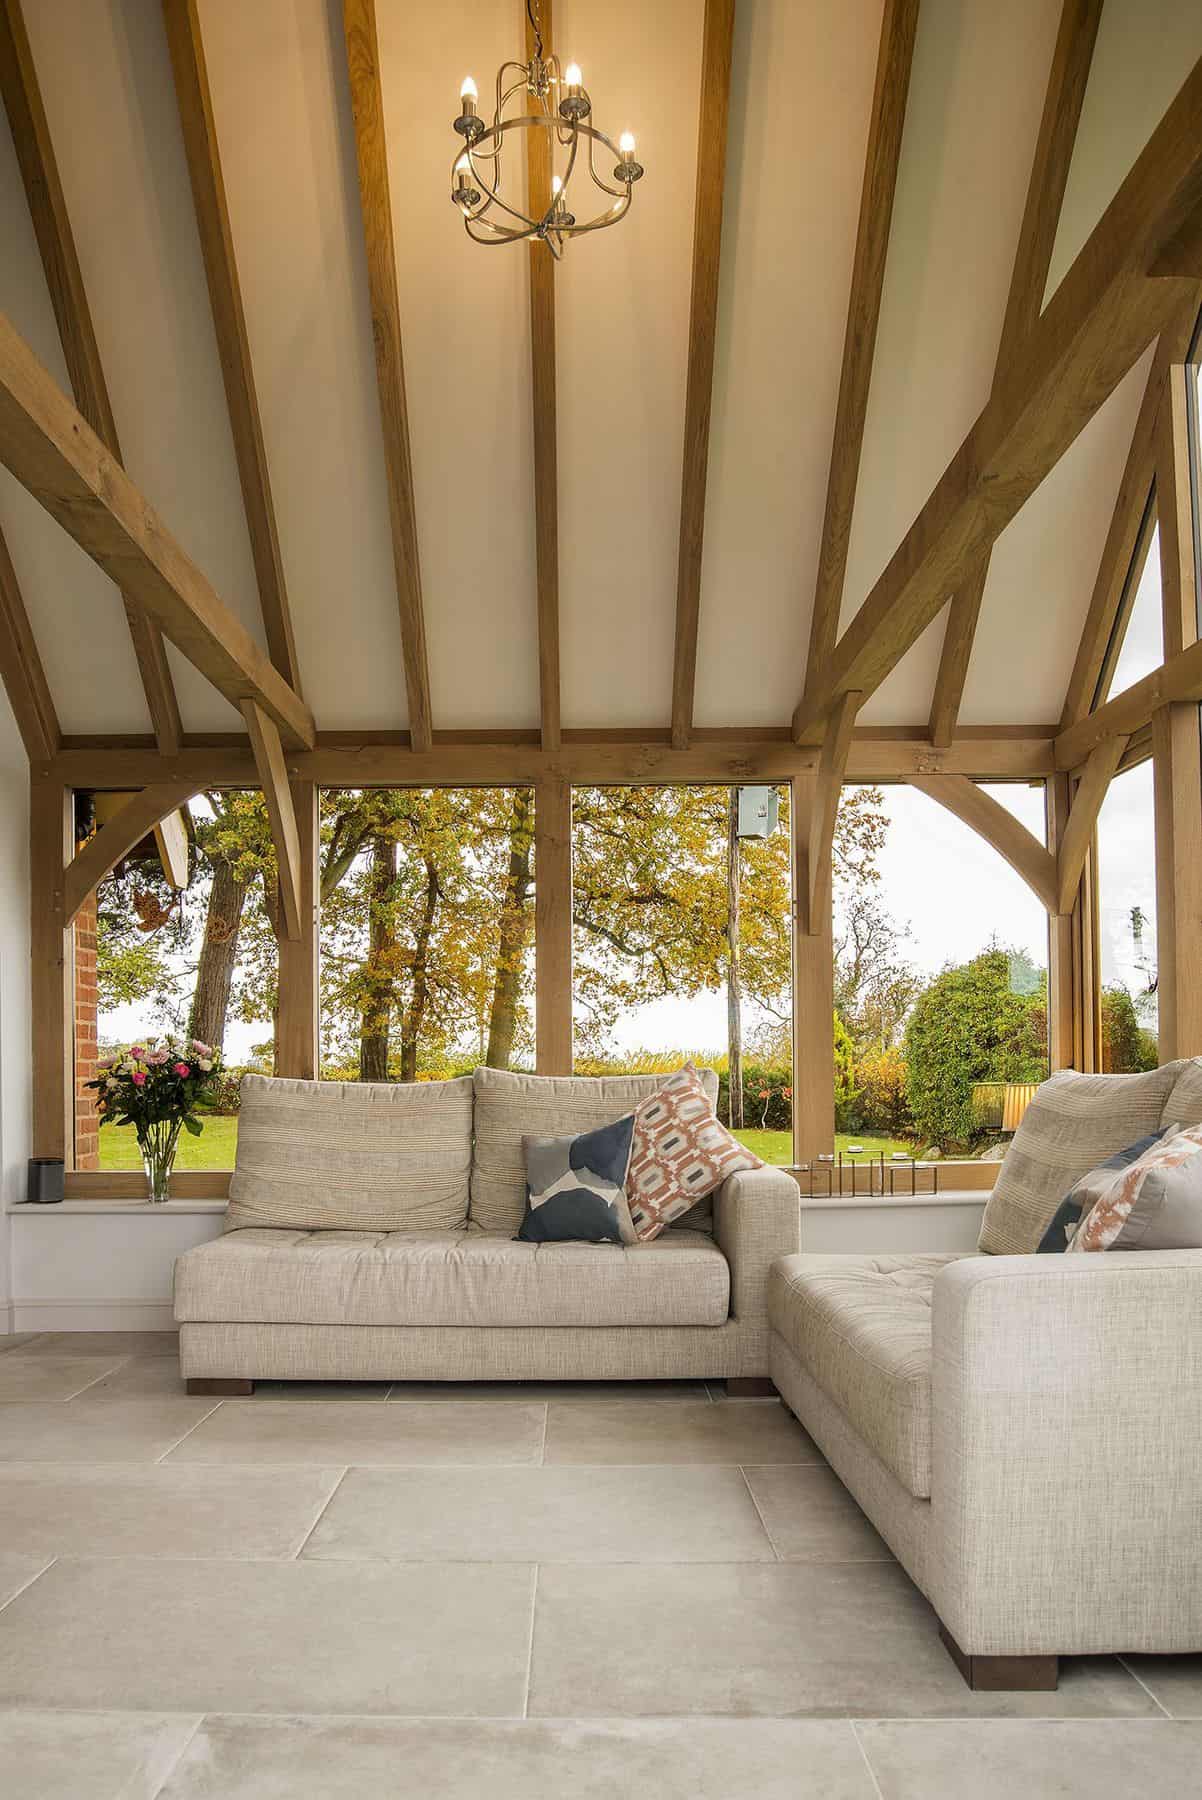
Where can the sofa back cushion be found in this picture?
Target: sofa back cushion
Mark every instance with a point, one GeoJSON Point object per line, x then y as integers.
{"type": "Point", "coordinates": [510, 1107]}
{"type": "Point", "coordinates": [1071, 1126]}
{"type": "Point", "coordinates": [1184, 1104]}
{"type": "Point", "coordinates": [352, 1156]}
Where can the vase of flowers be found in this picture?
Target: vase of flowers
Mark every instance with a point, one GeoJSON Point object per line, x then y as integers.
{"type": "Point", "coordinates": [156, 1087]}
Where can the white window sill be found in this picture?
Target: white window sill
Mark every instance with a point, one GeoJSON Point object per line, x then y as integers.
{"type": "Point", "coordinates": [169, 1208]}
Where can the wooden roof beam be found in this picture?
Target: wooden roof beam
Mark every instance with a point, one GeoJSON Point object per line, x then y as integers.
{"type": "Point", "coordinates": [1062, 104]}
{"type": "Point", "coordinates": [281, 814]}
{"type": "Point", "coordinates": [1105, 312]}
{"type": "Point", "coordinates": [141, 813]}
{"type": "Point", "coordinates": [363, 67]}
{"type": "Point", "coordinates": [64, 280]}
{"type": "Point", "coordinates": [1132, 711]}
{"type": "Point", "coordinates": [22, 672]}
{"type": "Point", "coordinates": [53, 451]}
{"type": "Point", "coordinates": [1127, 537]}
{"type": "Point", "coordinates": [1077, 837]}
{"type": "Point", "coordinates": [999, 827]}
{"type": "Point", "coordinates": [899, 26]}
{"type": "Point", "coordinates": [703, 330]}
{"type": "Point", "coordinates": [229, 321]}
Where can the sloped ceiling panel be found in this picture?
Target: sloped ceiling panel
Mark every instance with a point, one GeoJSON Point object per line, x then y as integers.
{"type": "Point", "coordinates": [623, 316]}
{"type": "Point", "coordinates": [106, 81]}
{"type": "Point", "coordinates": [1043, 570]}
{"type": "Point", "coordinates": [800, 105]}
{"type": "Point", "coordinates": [75, 611]}
{"type": "Point", "coordinates": [976, 94]}
{"type": "Point", "coordinates": [282, 107]}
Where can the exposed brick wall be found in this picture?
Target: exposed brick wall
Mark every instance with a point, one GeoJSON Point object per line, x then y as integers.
{"type": "Point", "coordinates": [87, 1124]}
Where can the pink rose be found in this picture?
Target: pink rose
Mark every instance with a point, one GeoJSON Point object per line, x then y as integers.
{"type": "Point", "coordinates": [137, 1049]}
{"type": "Point", "coordinates": [180, 1069]}
{"type": "Point", "coordinates": [138, 1077]}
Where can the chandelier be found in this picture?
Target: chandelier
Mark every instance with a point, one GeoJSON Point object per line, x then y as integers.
{"type": "Point", "coordinates": [558, 104]}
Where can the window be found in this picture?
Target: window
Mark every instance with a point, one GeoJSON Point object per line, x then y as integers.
{"type": "Point", "coordinates": [1142, 647]}
{"type": "Point", "coordinates": [1127, 918]}
{"type": "Point", "coordinates": [427, 932]}
{"type": "Point", "coordinates": [940, 976]}
{"type": "Point", "coordinates": [200, 961]}
{"type": "Point", "coordinates": [656, 873]}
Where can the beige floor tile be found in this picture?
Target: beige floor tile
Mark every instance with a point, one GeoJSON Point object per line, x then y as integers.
{"type": "Point", "coordinates": [998, 1759]}
{"type": "Point", "coordinates": [543, 1515]}
{"type": "Point", "coordinates": [26, 1375]}
{"type": "Point", "coordinates": [88, 1756]}
{"type": "Point", "coordinates": [138, 1377]}
{"type": "Point", "coordinates": [321, 1390]}
{"type": "Point", "coordinates": [811, 1517]}
{"type": "Point", "coordinates": [17, 1340]}
{"type": "Point", "coordinates": [538, 1391]}
{"type": "Point", "coordinates": [776, 1639]}
{"type": "Point", "coordinates": [686, 1431]}
{"type": "Point", "coordinates": [247, 1431]}
{"type": "Point", "coordinates": [106, 1343]}
{"type": "Point", "coordinates": [120, 1431]}
{"type": "Point", "coordinates": [1176, 1681]}
{"type": "Point", "coordinates": [662, 1759]}
{"type": "Point", "coordinates": [17, 1570]}
{"type": "Point", "coordinates": [163, 1510]}
{"type": "Point", "coordinates": [270, 1637]}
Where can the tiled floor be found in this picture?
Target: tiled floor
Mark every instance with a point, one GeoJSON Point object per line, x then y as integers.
{"type": "Point", "coordinates": [544, 1592]}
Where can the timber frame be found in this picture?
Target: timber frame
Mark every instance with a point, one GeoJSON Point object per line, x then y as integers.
{"type": "Point", "coordinates": [1136, 282]}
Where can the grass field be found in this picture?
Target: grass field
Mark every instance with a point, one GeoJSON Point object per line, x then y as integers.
{"type": "Point", "coordinates": [214, 1149]}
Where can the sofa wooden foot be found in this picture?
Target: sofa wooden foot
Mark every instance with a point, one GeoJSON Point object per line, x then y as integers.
{"type": "Point", "coordinates": [226, 1386]}
{"type": "Point", "coordinates": [1004, 1674]}
{"type": "Point", "coordinates": [750, 1387]}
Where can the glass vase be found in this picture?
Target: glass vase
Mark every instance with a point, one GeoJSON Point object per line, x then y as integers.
{"type": "Point", "coordinates": [157, 1143]}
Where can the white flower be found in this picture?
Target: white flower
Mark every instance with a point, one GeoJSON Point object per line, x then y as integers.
{"type": "Point", "coordinates": [206, 1063]}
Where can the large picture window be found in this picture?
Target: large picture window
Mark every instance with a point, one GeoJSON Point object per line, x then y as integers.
{"type": "Point", "coordinates": [1127, 922]}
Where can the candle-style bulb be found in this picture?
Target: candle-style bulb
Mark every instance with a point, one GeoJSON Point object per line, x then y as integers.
{"type": "Point", "coordinates": [469, 90]}
{"type": "Point", "coordinates": [556, 185]}
{"type": "Point", "coordinates": [572, 75]}
{"type": "Point", "coordinates": [626, 143]}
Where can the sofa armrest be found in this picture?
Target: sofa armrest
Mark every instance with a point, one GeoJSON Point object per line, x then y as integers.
{"type": "Point", "coordinates": [757, 1217]}
{"type": "Point", "coordinates": [1066, 1456]}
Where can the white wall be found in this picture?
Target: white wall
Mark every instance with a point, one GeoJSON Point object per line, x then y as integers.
{"type": "Point", "coordinates": [14, 988]}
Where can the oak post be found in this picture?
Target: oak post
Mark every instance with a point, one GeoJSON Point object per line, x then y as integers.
{"type": "Point", "coordinates": [553, 926]}
{"type": "Point", "coordinates": [297, 1020]}
{"type": "Point", "coordinates": [1177, 760]}
{"type": "Point", "coordinates": [813, 987]}
{"type": "Point", "coordinates": [51, 842]}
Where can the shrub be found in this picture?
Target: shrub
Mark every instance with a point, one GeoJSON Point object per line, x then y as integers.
{"type": "Point", "coordinates": [970, 1026]}
{"type": "Point", "coordinates": [883, 1099]}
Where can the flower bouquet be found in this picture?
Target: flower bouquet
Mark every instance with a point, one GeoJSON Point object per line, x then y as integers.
{"type": "Point", "coordinates": [155, 1088]}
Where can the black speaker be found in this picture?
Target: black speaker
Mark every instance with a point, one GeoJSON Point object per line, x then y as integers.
{"type": "Point", "coordinates": [45, 1184]}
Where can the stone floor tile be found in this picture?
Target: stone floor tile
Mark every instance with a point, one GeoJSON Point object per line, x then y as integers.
{"type": "Point", "coordinates": [116, 1431]}
{"type": "Point", "coordinates": [810, 1516]}
{"type": "Point", "coordinates": [109, 1343]}
{"type": "Point", "coordinates": [775, 1639]}
{"type": "Point", "coordinates": [26, 1375]}
{"type": "Point", "coordinates": [538, 1391]}
{"type": "Point", "coordinates": [463, 1759]}
{"type": "Point", "coordinates": [998, 1759]}
{"type": "Point", "coordinates": [17, 1570]}
{"type": "Point", "coordinates": [250, 1431]}
{"type": "Point", "coordinates": [686, 1431]}
{"type": "Point", "coordinates": [159, 1509]}
{"type": "Point", "coordinates": [88, 1755]}
{"type": "Point", "coordinates": [18, 1340]}
{"type": "Point", "coordinates": [1176, 1681]}
{"type": "Point", "coordinates": [153, 1635]}
{"type": "Point", "coordinates": [664, 1514]}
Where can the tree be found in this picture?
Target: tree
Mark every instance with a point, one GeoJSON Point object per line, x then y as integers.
{"type": "Point", "coordinates": [970, 1025]}
{"type": "Point", "coordinates": [1127, 1046]}
{"type": "Point", "coordinates": [875, 986]}
{"type": "Point", "coordinates": [884, 1100]}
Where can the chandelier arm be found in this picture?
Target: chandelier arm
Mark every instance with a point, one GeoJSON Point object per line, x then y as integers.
{"type": "Point", "coordinates": [597, 179]}
{"type": "Point", "coordinates": [494, 199]}
{"type": "Point", "coordinates": [611, 217]}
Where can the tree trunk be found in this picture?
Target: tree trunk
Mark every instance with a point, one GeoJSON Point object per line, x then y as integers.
{"type": "Point", "coordinates": [734, 978]}
{"type": "Point", "coordinates": [377, 1005]}
{"type": "Point", "coordinates": [218, 954]}
{"type": "Point", "coordinates": [415, 1014]}
{"type": "Point", "coordinates": [515, 926]}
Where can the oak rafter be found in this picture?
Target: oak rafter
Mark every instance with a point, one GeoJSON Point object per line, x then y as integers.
{"type": "Point", "coordinates": [22, 672]}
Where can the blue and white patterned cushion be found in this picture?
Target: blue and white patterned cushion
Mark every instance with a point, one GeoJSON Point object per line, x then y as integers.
{"type": "Point", "coordinates": [576, 1186]}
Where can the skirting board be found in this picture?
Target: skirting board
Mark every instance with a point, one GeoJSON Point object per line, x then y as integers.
{"type": "Point", "coordinates": [91, 1315]}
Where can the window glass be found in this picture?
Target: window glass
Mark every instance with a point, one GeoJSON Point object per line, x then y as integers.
{"type": "Point", "coordinates": [1127, 914]}
{"type": "Point", "coordinates": [1142, 648]}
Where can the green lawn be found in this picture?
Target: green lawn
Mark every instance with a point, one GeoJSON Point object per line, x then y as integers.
{"type": "Point", "coordinates": [214, 1148]}
{"type": "Point", "coordinates": [777, 1146]}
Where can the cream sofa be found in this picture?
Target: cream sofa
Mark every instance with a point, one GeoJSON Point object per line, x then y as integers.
{"type": "Point", "coordinates": [1024, 1431]}
{"type": "Point", "coordinates": [370, 1236]}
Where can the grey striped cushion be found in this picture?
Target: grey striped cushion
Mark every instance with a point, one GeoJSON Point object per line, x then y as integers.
{"type": "Point", "coordinates": [352, 1156]}
{"type": "Point", "coordinates": [1073, 1124]}
{"type": "Point", "coordinates": [1184, 1104]}
{"type": "Point", "coordinates": [510, 1107]}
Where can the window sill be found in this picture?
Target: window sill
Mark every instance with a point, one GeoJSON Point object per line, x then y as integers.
{"type": "Point", "coordinates": [169, 1208]}
{"type": "Point", "coordinates": [893, 1202]}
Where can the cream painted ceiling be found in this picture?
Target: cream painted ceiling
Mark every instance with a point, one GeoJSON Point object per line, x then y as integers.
{"type": "Point", "coordinates": [801, 93]}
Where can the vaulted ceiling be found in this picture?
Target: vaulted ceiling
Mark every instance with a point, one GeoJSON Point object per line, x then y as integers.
{"type": "Point", "coordinates": [800, 103]}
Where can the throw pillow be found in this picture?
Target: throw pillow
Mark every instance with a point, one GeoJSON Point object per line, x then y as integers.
{"type": "Point", "coordinates": [1156, 1204]}
{"type": "Point", "coordinates": [575, 1186]}
{"type": "Point", "coordinates": [1080, 1202]}
{"type": "Point", "coordinates": [679, 1154]}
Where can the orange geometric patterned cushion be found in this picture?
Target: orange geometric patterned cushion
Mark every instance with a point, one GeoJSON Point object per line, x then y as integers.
{"type": "Point", "coordinates": [680, 1153]}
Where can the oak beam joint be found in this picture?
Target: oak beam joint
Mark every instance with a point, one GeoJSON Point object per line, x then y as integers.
{"type": "Point", "coordinates": [277, 797]}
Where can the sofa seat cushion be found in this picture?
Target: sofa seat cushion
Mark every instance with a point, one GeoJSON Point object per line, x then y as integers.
{"type": "Point", "coordinates": [861, 1328]}
{"type": "Point", "coordinates": [465, 1278]}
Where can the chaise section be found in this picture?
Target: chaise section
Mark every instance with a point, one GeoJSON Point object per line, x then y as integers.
{"type": "Point", "coordinates": [860, 1327]}
{"type": "Point", "coordinates": [465, 1279]}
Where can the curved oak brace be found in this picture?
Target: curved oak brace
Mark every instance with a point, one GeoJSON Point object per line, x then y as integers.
{"type": "Point", "coordinates": [1083, 818]}
{"type": "Point", "coordinates": [141, 813]}
{"type": "Point", "coordinates": [990, 820]}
